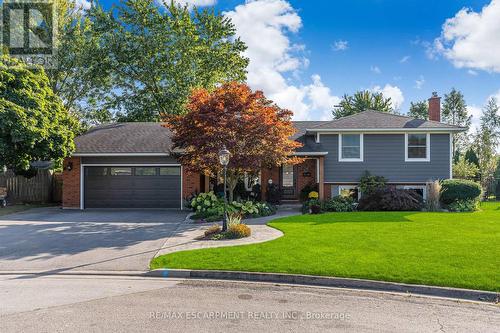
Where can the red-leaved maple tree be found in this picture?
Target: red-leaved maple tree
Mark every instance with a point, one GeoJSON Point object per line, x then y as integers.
{"type": "Point", "coordinates": [254, 129]}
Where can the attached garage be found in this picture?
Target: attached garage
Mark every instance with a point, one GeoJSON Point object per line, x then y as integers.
{"type": "Point", "coordinates": [127, 165]}
{"type": "Point", "coordinates": [127, 186]}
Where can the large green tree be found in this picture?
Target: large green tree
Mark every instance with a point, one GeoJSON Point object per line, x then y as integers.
{"type": "Point", "coordinates": [362, 101]}
{"type": "Point", "coordinates": [419, 110]}
{"type": "Point", "coordinates": [82, 69]}
{"type": "Point", "coordinates": [485, 146]}
{"type": "Point", "coordinates": [471, 156]}
{"type": "Point", "coordinates": [34, 124]}
{"type": "Point", "coordinates": [158, 54]}
{"type": "Point", "coordinates": [464, 169]}
{"type": "Point", "coordinates": [455, 113]}
{"type": "Point", "coordinates": [490, 119]}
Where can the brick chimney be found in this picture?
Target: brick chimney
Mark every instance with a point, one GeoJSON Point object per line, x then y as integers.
{"type": "Point", "coordinates": [435, 107]}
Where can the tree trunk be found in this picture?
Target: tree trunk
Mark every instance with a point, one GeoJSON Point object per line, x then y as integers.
{"type": "Point", "coordinates": [232, 181]}
{"type": "Point", "coordinates": [231, 185]}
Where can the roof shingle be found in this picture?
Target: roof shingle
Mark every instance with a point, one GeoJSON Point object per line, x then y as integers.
{"type": "Point", "coordinates": [125, 138]}
{"type": "Point", "coordinates": [381, 120]}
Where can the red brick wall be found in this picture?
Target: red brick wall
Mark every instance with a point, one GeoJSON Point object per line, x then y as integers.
{"type": "Point", "coordinates": [328, 191]}
{"type": "Point", "coordinates": [71, 183]}
{"type": "Point", "coordinates": [190, 183]}
{"type": "Point", "coordinates": [308, 166]}
{"type": "Point", "coordinates": [265, 175]}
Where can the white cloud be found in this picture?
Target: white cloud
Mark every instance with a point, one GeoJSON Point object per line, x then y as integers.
{"type": "Point", "coordinates": [404, 59]}
{"type": "Point", "coordinates": [475, 112]}
{"type": "Point", "coordinates": [265, 26]}
{"type": "Point", "coordinates": [472, 39]}
{"type": "Point", "coordinates": [197, 3]}
{"type": "Point", "coordinates": [375, 69]}
{"type": "Point", "coordinates": [340, 45]}
{"type": "Point", "coordinates": [393, 92]}
{"type": "Point", "coordinates": [419, 83]}
{"type": "Point", "coordinates": [429, 48]}
{"type": "Point", "coordinates": [82, 4]}
{"type": "Point", "coordinates": [472, 72]}
{"type": "Point", "coordinates": [321, 97]}
{"type": "Point", "coordinates": [495, 95]}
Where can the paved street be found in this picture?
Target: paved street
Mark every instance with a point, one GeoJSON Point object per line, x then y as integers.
{"type": "Point", "coordinates": [54, 240]}
{"type": "Point", "coordinates": [124, 304]}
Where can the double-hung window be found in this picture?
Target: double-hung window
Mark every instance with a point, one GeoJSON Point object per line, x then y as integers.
{"type": "Point", "coordinates": [417, 147]}
{"type": "Point", "coordinates": [351, 147]}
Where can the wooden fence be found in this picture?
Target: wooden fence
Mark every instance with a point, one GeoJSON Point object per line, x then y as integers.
{"type": "Point", "coordinates": [45, 187]}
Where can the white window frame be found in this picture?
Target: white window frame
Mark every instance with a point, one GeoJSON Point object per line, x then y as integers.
{"type": "Point", "coordinates": [427, 149]}
{"type": "Point", "coordinates": [349, 187]}
{"type": "Point", "coordinates": [361, 149]}
{"type": "Point", "coordinates": [417, 187]}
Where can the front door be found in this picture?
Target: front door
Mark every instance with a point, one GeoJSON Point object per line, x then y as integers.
{"type": "Point", "coordinates": [288, 182]}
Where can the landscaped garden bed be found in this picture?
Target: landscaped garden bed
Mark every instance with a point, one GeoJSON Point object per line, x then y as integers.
{"type": "Point", "coordinates": [435, 248]}
{"type": "Point", "coordinates": [235, 230]}
{"type": "Point", "coordinates": [208, 207]}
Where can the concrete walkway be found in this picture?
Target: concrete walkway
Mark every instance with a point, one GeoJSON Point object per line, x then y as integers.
{"type": "Point", "coordinates": [185, 237]}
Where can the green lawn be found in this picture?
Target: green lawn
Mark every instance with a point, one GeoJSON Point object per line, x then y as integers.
{"type": "Point", "coordinates": [444, 249]}
{"type": "Point", "coordinates": [16, 208]}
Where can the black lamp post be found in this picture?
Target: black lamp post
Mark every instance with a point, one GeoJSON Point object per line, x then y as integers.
{"type": "Point", "coordinates": [224, 160]}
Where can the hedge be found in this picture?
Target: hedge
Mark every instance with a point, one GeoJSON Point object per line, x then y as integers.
{"type": "Point", "coordinates": [453, 190]}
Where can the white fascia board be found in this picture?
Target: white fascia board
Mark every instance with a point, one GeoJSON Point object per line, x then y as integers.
{"type": "Point", "coordinates": [119, 154]}
{"type": "Point", "coordinates": [312, 153]}
{"type": "Point", "coordinates": [384, 130]}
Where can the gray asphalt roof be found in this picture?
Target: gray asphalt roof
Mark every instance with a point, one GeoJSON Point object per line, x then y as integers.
{"type": "Point", "coordinates": [154, 138]}
{"type": "Point", "coordinates": [381, 120]}
{"type": "Point", "coordinates": [125, 138]}
{"type": "Point", "coordinates": [301, 127]}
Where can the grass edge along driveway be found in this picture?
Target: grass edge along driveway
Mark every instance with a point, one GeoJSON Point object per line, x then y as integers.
{"type": "Point", "coordinates": [442, 249]}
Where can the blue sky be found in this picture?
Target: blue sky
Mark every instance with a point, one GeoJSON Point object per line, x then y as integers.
{"type": "Point", "coordinates": [306, 54]}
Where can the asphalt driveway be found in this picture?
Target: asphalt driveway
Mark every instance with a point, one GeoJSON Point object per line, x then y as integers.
{"type": "Point", "coordinates": [51, 240]}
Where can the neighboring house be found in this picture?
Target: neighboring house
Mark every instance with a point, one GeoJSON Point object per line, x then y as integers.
{"type": "Point", "coordinates": [130, 165]}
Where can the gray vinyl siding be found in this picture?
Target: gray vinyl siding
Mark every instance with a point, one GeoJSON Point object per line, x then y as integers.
{"type": "Point", "coordinates": [384, 155]}
{"type": "Point", "coordinates": [129, 160]}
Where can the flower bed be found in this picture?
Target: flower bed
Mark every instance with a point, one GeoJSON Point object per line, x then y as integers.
{"type": "Point", "coordinates": [208, 207]}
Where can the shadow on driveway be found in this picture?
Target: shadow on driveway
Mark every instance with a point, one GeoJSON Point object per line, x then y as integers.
{"type": "Point", "coordinates": [51, 239]}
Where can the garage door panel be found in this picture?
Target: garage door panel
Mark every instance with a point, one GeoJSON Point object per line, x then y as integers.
{"type": "Point", "coordinates": [120, 188]}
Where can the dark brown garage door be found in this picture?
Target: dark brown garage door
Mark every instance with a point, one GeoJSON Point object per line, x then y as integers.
{"type": "Point", "coordinates": [132, 187]}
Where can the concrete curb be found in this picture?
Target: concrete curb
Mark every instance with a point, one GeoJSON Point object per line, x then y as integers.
{"type": "Point", "coordinates": [324, 281]}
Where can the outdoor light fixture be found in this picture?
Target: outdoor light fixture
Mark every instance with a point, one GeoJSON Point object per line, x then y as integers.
{"type": "Point", "coordinates": [224, 156]}
{"type": "Point", "coordinates": [69, 166]}
{"type": "Point", "coordinates": [224, 161]}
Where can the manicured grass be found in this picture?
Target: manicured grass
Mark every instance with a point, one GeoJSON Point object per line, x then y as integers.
{"type": "Point", "coordinates": [16, 208]}
{"type": "Point", "coordinates": [443, 249]}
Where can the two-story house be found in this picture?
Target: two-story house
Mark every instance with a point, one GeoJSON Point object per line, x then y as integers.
{"type": "Point", "coordinates": [130, 165]}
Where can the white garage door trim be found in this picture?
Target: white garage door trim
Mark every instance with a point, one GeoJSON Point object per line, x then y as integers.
{"type": "Point", "coordinates": [82, 176]}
